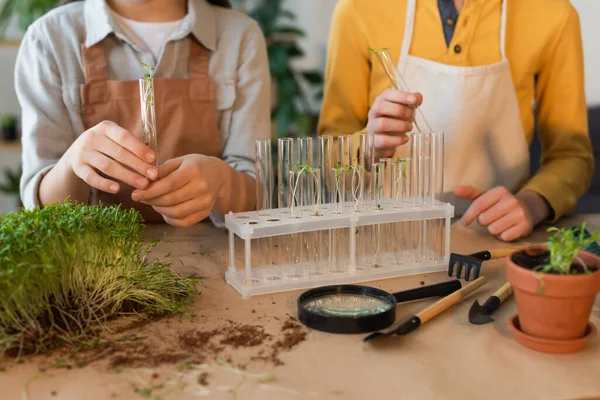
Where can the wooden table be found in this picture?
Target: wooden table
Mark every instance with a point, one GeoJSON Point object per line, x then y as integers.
{"type": "Point", "coordinates": [447, 358]}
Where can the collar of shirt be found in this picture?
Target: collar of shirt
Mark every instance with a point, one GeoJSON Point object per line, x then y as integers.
{"type": "Point", "coordinates": [199, 21]}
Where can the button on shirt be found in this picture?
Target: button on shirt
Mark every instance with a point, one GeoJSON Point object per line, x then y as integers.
{"type": "Point", "coordinates": [449, 16]}
{"type": "Point", "coordinates": [49, 74]}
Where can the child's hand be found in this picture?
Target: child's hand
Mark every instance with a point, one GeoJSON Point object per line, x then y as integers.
{"type": "Point", "coordinates": [108, 148]}
{"type": "Point", "coordinates": [187, 189]}
{"type": "Point", "coordinates": [508, 216]}
{"type": "Point", "coordinates": [390, 119]}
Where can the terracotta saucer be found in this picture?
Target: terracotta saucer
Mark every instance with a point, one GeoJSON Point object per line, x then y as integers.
{"type": "Point", "coordinates": [550, 345]}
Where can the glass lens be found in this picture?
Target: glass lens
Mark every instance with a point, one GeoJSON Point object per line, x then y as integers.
{"type": "Point", "coordinates": [347, 305]}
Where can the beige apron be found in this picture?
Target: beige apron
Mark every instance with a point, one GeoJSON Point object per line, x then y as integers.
{"type": "Point", "coordinates": [478, 111]}
{"type": "Point", "coordinates": [186, 115]}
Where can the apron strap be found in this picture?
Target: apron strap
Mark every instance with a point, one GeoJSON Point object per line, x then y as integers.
{"type": "Point", "coordinates": [198, 60]}
{"type": "Point", "coordinates": [409, 27]}
{"type": "Point", "coordinates": [503, 30]}
{"type": "Point", "coordinates": [94, 62]}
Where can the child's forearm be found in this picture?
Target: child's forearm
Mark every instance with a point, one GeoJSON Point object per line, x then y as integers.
{"type": "Point", "coordinates": [237, 193]}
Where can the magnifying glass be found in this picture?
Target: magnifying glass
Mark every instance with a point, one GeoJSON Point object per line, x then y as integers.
{"type": "Point", "coordinates": [360, 309]}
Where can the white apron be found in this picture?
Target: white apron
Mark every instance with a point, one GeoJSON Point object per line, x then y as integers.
{"type": "Point", "coordinates": [478, 111]}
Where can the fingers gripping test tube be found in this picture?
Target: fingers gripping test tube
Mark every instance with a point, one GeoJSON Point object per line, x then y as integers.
{"type": "Point", "coordinates": [399, 84]}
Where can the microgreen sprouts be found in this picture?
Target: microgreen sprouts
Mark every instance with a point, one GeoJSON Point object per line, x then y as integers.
{"type": "Point", "coordinates": [564, 247]}
{"type": "Point", "coordinates": [400, 177]}
{"type": "Point", "coordinates": [357, 184]}
{"type": "Point", "coordinates": [149, 133]}
{"type": "Point", "coordinates": [66, 269]}
{"type": "Point", "coordinates": [303, 170]}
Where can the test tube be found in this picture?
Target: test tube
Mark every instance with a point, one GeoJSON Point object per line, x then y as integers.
{"type": "Point", "coordinates": [399, 84]}
{"type": "Point", "coordinates": [362, 174]}
{"type": "Point", "coordinates": [264, 176]}
{"type": "Point", "coordinates": [378, 185]}
{"type": "Point", "coordinates": [305, 160]}
{"type": "Point", "coordinates": [437, 228]}
{"type": "Point", "coordinates": [366, 157]}
{"type": "Point", "coordinates": [401, 193]}
{"type": "Point", "coordinates": [315, 249]}
{"type": "Point", "coordinates": [378, 192]}
{"type": "Point", "coordinates": [401, 182]}
{"type": "Point", "coordinates": [325, 162]}
{"type": "Point", "coordinates": [285, 162]}
{"type": "Point", "coordinates": [417, 168]}
{"type": "Point", "coordinates": [339, 239]}
{"type": "Point", "coordinates": [345, 162]}
{"type": "Point", "coordinates": [264, 203]}
{"type": "Point", "coordinates": [437, 168]}
{"type": "Point", "coordinates": [149, 134]}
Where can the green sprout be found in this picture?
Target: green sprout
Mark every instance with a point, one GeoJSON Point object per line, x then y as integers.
{"type": "Point", "coordinates": [357, 183]}
{"type": "Point", "coordinates": [66, 269]}
{"type": "Point", "coordinates": [564, 247]}
{"type": "Point", "coordinates": [300, 171]}
{"type": "Point", "coordinates": [339, 174]}
{"type": "Point", "coordinates": [148, 79]}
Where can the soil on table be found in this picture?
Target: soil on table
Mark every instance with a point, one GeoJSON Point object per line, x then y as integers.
{"type": "Point", "coordinates": [531, 261]}
{"type": "Point", "coordinates": [143, 344]}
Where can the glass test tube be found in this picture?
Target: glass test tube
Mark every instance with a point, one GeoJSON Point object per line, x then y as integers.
{"type": "Point", "coordinates": [436, 181]}
{"type": "Point", "coordinates": [149, 134]}
{"type": "Point", "coordinates": [401, 194]}
{"type": "Point", "coordinates": [366, 157]}
{"type": "Point", "coordinates": [325, 162]}
{"type": "Point", "coordinates": [399, 84]}
{"type": "Point", "coordinates": [417, 168]}
{"type": "Point", "coordinates": [315, 242]}
{"type": "Point", "coordinates": [416, 195]}
{"type": "Point", "coordinates": [437, 231]}
{"type": "Point", "coordinates": [375, 245]}
{"type": "Point", "coordinates": [339, 244]}
{"type": "Point", "coordinates": [285, 162]}
{"type": "Point", "coordinates": [425, 193]}
{"type": "Point", "coordinates": [364, 234]}
{"type": "Point", "coordinates": [264, 176]}
{"type": "Point", "coordinates": [264, 198]}
{"type": "Point", "coordinates": [345, 162]}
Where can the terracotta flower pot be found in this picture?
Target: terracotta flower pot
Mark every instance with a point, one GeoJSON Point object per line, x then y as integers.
{"type": "Point", "coordinates": [554, 306]}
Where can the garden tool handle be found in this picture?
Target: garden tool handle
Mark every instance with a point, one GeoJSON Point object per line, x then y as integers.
{"type": "Point", "coordinates": [495, 254]}
{"type": "Point", "coordinates": [436, 290]}
{"type": "Point", "coordinates": [450, 300]}
{"type": "Point", "coordinates": [504, 292]}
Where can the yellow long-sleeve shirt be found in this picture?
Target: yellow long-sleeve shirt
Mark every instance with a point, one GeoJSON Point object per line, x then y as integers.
{"type": "Point", "coordinates": [543, 47]}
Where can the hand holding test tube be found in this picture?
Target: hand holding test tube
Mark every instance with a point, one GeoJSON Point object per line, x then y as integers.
{"type": "Point", "coordinates": [399, 84]}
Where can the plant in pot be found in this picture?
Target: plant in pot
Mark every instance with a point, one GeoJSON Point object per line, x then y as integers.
{"type": "Point", "coordinates": [8, 126]}
{"type": "Point", "coordinates": [555, 287]}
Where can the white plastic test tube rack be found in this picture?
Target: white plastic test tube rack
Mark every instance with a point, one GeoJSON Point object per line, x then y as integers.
{"type": "Point", "coordinates": [403, 230]}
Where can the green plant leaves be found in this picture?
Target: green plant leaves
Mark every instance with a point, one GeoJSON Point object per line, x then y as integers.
{"type": "Point", "coordinates": [564, 246]}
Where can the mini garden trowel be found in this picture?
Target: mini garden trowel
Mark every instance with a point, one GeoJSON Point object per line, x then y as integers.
{"type": "Point", "coordinates": [480, 314]}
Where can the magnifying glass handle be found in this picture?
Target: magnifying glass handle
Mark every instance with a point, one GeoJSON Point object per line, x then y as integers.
{"type": "Point", "coordinates": [436, 290]}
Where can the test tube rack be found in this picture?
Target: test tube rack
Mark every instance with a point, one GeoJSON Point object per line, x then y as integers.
{"type": "Point", "coordinates": [330, 228]}
{"type": "Point", "coordinates": [250, 280]}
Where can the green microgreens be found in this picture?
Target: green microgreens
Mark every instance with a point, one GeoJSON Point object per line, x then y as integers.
{"type": "Point", "coordinates": [65, 269]}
